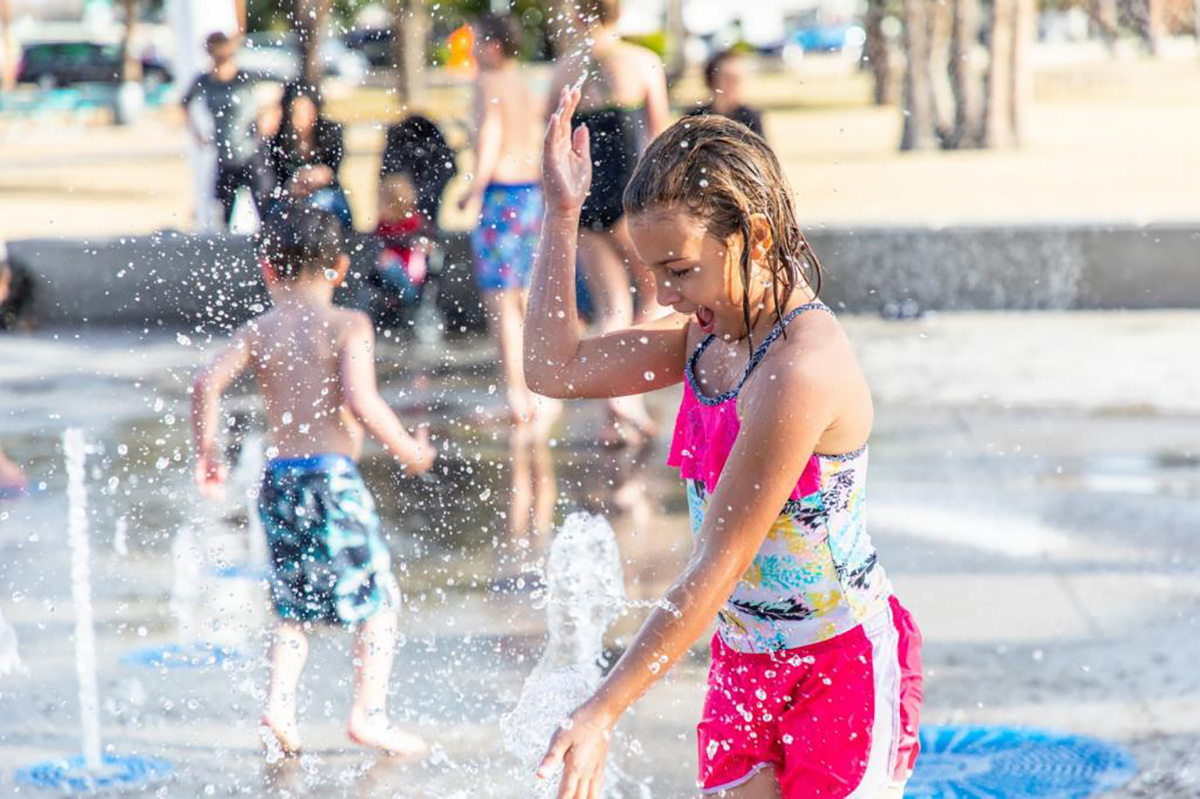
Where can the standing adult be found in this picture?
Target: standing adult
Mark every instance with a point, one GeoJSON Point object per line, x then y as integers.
{"type": "Point", "coordinates": [623, 106]}
{"type": "Point", "coordinates": [228, 95]}
{"type": "Point", "coordinates": [725, 76]}
{"type": "Point", "coordinates": [306, 154]}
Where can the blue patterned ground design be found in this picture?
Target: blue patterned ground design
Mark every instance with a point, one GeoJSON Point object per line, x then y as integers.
{"type": "Point", "coordinates": [180, 656]}
{"type": "Point", "coordinates": [1015, 763]}
{"type": "Point", "coordinates": [67, 775]}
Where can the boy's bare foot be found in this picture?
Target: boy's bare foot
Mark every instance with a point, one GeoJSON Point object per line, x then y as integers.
{"type": "Point", "coordinates": [374, 730]}
{"type": "Point", "coordinates": [279, 739]}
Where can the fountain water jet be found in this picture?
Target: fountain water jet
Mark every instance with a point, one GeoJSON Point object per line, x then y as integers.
{"type": "Point", "coordinates": [92, 770]}
{"type": "Point", "coordinates": [584, 593]}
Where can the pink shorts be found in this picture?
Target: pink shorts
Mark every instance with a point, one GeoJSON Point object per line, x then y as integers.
{"type": "Point", "coordinates": [834, 719]}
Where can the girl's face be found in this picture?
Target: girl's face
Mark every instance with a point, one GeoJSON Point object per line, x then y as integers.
{"type": "Point", "coordinates": [696, 273]}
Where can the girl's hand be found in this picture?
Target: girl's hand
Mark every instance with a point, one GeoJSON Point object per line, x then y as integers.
{"type": "Point", "coordinates": [566, 158]}
{"type": "Point", "coordinates": [581, 748]}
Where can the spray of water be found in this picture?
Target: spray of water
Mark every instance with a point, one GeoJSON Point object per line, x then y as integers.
{"type": "Point", "coordinates": [10, 659]}
{"type": "Point", "coordinates": [81, 592]}
{"type": "Point", "coordinates": [248, 478]}
{"type": "Point", "coordinates": [584, 593]}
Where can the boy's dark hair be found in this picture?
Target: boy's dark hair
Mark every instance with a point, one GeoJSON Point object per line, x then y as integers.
{"type": "Point", "coordinates": [300, 241]}
{"type": "Point", "coordinates": [215, 40]}
{"type": "Point", "coordinates": [504, 30]}
{"type": "Point", "coordinates": [14, 310]}
{"type": "Point", "coordinates": [714, 63]}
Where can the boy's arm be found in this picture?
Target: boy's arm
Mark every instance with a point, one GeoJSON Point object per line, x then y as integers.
{"type": "Point", "coordinates": [362, 398]}
{"type": "Point", "coordinates": [488, 138]}
{"type": "Point", "coordinates": [207, 386]}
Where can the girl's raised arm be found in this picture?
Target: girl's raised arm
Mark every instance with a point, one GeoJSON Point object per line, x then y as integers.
{"type": "Point", "coordinates": [558, 361]}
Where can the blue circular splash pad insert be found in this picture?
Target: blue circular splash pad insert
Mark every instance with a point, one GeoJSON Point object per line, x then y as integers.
{"type": "Point", "coordinates": [1015, 763]}
{"type": "Point", "coordinates": [67, 775]}
{"type": "Point", "coordinates": [180, 656]}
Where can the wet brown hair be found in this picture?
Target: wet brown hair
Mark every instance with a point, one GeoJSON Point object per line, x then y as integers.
{"type": "Point", "coordinates": [722, 172]}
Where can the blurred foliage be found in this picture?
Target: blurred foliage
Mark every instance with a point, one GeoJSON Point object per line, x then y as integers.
{"type": "Point", "coordinates": [655, 42]}
{"type": "Point", "coordinates": [273, 15]}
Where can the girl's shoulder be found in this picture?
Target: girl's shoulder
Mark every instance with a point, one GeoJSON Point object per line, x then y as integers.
{"type": "Point", "coordinates": [814, 350]}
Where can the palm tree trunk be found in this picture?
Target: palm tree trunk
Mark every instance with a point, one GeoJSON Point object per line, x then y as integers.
{"type": "Point", "coordinates": [875, 53]}
{"type": "Point", "coordinates": [963, 80]}
{"type": "Point", "coordinates": [1024, 30]}
{"type": "Point", "coordinates": [997, 108]}
{"type": "Point", "coordinates": [308, 20]}
{"type": "Point", "coordinates": [131, 67]}
{"type": "Point", "coordinates": [920, 121]}
{"type": "Point", "coordinates": [410, 30]}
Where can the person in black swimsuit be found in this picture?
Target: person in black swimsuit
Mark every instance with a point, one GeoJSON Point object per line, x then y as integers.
{"type": "Point", "coordinates": [623, 106]}
{"type": "Point", "coordinates": [614, 142]}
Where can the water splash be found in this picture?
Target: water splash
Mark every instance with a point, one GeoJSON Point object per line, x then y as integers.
{"type": "Point", "coordinates": [81, 591]}
{"type": "Point", "coordinates": [584, 593]}
{"type": "Point", "coordinates": [10, 658]}
{"type": "Point", "coordinates": [247, 476]}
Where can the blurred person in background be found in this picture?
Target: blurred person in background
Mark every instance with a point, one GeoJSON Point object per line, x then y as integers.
{"type": "Point", "coordinates": [505, 188]}
{"type": "Point", "coordinates": [306, 154]}
{"type": "Point", "coordinates": [623, 106]}
{"type": "Point", "coordinates": [228, 95]}
{"type": "Point", "coordinates": [725, 75]}
{"type": "Point", "coordinates": [12, 479]}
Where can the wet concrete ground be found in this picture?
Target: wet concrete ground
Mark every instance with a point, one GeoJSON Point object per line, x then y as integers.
{"type": "Point", "coordinates": [1033, 497]}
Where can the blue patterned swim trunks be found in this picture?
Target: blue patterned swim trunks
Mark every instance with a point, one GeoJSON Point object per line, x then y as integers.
{"type": "Point", "coordinates": [329, 561]}
{"type": "Point", "coordinates": [507, 237]}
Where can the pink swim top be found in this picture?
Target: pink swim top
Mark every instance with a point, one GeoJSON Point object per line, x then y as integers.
{"type": "Point", "coordinates": [816, 575]}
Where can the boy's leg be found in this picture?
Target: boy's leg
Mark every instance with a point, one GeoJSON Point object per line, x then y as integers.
{"type": "Point", "coordinates": [506, 324]}
{"type": "Point", "coordinates": [374, 649]}
{"type": "Point", "coordinates": [289, 652]}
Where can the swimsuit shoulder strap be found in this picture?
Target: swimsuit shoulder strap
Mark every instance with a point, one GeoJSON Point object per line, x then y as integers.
{"type": "Point", "coordinates": [760, 351]}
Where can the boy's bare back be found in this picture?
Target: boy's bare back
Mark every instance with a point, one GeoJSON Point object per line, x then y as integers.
{"type": "Point", "coordinates": [521, 129]}
{"type": "Point", "coordinates": [298, 352]}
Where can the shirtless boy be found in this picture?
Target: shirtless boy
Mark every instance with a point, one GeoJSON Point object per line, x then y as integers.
{"type": "Point", "coordinates": [506, 188]}
{"type": "Point", "coordinates": [315, 367]}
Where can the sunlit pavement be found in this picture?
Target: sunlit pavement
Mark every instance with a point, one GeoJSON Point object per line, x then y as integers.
{"type": "Point", "coordinates": [1033, 496]}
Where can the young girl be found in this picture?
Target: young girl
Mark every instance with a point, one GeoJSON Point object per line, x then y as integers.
{"type": "Point", "coordinates": [815, 681]}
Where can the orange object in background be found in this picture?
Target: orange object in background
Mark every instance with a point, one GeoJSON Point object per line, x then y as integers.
{"type": "Point", "coordinates": [461, 43]}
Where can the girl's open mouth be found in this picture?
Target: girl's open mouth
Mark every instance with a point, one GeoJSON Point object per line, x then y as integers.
{"type": "Point", "coordinates": [705, 318]}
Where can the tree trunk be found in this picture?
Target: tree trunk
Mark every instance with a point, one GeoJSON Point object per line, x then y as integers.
{"type": "Point", "coordinates": [131, 66]}
{"type": "Point", "coordinates": [920, 122]}
{"type": "Point", "coordinates": [1020, 73]}
{"type": "Point", "coordinates": [997, 103]}
{"type": "Point", "coordinates": [963, 80]}
{"type": "Point", "coordinates": [1104, 17]}
{"type": "Point", "coordinates": [876, 55]}
{"type": "Point", "coordinates": [676, 35]}
{"type": "Point", "coordinates": [308, 20]}
{"type": "Point", "coordinates": [410, 31]}
{"type": "Point", "coordinates": [1152, 25]}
